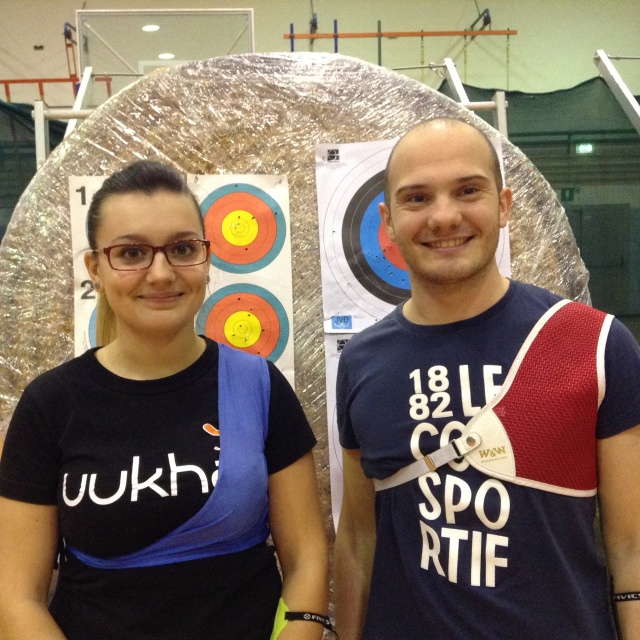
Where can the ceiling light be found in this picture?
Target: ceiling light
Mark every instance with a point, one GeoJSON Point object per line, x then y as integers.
{"type": "Point", "coordinates": [166, 56]}
{"type": "Point", "coordinates": [150, 27]}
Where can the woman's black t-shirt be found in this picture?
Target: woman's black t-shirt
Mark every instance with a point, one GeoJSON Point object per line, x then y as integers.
{"type": "Point", "coordinates": [126, 462]}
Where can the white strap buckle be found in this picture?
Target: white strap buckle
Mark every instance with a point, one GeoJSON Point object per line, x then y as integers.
{"type": "Point", "coordinates": [455, 449]}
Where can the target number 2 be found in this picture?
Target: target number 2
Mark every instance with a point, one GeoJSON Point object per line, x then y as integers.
{"type": "Point", "coordinates": [89, 293]}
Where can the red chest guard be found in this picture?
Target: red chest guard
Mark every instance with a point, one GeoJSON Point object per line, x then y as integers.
{"type": "Point", "coordinates": [548, 405]}
{"type": "Point", "coordinates": [540, 429]}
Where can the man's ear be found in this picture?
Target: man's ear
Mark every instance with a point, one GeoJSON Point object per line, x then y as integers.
{"type": "Point", "coordinates": [385, 215]}
{"type": "Point", "coordinates": [506, 199]}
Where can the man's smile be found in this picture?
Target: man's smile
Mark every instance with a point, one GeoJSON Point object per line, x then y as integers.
{"type": "Point", "coordinates": [446, 244]}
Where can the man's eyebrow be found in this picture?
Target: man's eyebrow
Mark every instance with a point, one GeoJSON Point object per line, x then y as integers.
{"type": "Point", "coordinates": [423, 185]}
{"type": "Point", "coordinates": [411, 187]}
{"type": "Point", "coordinates": [475, 176]}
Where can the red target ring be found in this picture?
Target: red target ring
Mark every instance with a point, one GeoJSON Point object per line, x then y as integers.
{"type": "Point", "coordinates": [390, 249]}
{"type": "Point", "coordinates": [236, 318]}
{"type": "Point", "coordinates": [241, 205]}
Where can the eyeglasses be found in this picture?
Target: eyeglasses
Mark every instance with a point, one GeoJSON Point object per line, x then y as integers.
{"type": "Point", "coordinates": [135, 257]}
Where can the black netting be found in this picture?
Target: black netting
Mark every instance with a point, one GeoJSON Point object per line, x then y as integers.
{"type": "Point", "coordinates": [18, 154]}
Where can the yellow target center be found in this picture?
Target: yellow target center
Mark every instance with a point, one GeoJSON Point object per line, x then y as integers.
{"type": "Point", "coordinates": [239, 228]}
{"type": "Point", "coordinates": [242, 329]}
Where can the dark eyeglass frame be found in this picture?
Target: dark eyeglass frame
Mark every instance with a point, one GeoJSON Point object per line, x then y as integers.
{"type": "Point", "coordinates": [162, 248]}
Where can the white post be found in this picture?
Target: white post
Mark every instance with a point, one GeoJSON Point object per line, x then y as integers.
{"type": "Point", "coordinates": [500, 114]}
{"type": "Point", "coordinates": [618, 87]}
{"type": "Point", "coordinates": [41, 126]}
{"type": "Point", "coordinates": [80, 98]}
{"type": "Point", "coordinates": [454, 80]}
{"type": "Point", "coordinates": [498, 104]}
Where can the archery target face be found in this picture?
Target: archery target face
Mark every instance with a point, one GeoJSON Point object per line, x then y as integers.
{"type": "Point", "coordinates": [245, 317]}
{"type": "Point", "coordinates": [362, 260]}
{"type": "Point", "coordinates": [364, 275]}
{"type": "Point", "coordinates": [247, 219]}
{"type": "Point", "coordinates": [245, 225]}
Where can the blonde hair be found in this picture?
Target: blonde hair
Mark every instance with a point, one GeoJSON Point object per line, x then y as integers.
{"type": "Point", "coordinates": [105, 322]}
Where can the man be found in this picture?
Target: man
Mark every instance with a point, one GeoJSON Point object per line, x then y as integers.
{"type": "Point", "coordinates": [484, 541]}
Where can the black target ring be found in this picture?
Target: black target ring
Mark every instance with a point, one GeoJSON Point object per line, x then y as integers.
{"type": "Point", "coordinates": [362, 251]}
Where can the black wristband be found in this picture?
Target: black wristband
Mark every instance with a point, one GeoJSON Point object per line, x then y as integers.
{"type": "Point", "coordinates": [625, 597]}
{"type": "Point", "coordinates": [310, 617]}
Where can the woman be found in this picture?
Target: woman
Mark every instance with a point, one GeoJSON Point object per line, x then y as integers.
{"type": "Point", "coordinates": [158, 465]}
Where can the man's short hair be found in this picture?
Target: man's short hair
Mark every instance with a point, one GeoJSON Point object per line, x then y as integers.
{"type": "Point", "coordinates": [497, 172]}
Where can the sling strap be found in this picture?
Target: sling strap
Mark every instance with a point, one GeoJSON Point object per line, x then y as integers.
{"type": "Point", "coordinates": [234, 516]}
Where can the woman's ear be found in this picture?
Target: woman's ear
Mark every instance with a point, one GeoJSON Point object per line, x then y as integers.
{"type": "Point", "coordinates": [91, 264]}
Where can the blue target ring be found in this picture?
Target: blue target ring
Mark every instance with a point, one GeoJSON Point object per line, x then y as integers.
{"type": "Point", "coordinates": [372, 251]}
{"type": "Point", "coordinates": [361, 245]}
{"type": "Point", "coordinates": [272, 226]}
{"type": "Point", "coordinates": [272, 304]}
{"type": "Point", "coordinates": [93, 341]}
